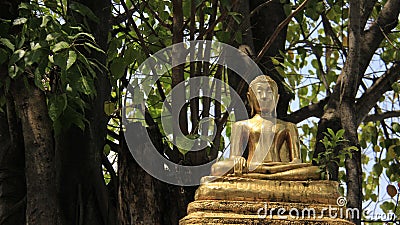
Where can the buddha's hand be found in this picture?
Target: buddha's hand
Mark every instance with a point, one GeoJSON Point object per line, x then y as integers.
{"type": "Point", "coordinates": [295, 161]}
{"type": "Point", "coordinates": [239, 166]}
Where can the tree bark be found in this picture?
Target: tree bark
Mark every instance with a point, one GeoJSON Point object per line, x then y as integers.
{"type": "Point", "coordinates": [348, 91]}
{"type": "Point", "coordinates": [139, 199]}
{"type": "Point", "coordinates": [38, 140]}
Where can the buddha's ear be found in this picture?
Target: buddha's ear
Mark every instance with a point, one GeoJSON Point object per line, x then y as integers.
{"type": "Point", "coordinates": [250, 103]}
{"type": "Point", "coordinates": [277, 100]}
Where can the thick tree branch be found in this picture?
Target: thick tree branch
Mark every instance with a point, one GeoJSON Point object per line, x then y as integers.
{"type": "Point", "coordinates": [370, 41]}
{"type": "Point", "coordinates": [316, 110]}
{"type": "Point", "coordinates": [113, 134]}
{"type": "Point", "coordinates": [372, 38]}
{"type": "Point", "coordinates": [381, 116]}
{"type": "Point", "coordinates": [114, 147]}
{"type": "Point", "coordinates": [366, 8]}
{"type": "Point", "coordinates": [109, 167]}
{"type": "Point", "coordinates": [372, 95]}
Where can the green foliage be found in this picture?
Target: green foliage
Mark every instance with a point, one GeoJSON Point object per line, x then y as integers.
{"type": "Point", "coordinates": [335, 150]}
{"type": "Point", "coordinates": [54, 53]}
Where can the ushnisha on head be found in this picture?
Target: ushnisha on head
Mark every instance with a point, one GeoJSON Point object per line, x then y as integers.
{"type": "Point", "coordinates": [263, 95]}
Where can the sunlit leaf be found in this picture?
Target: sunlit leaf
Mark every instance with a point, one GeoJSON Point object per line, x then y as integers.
{"type": "Point", "coordinates": [71, 59]}
{"type": "Point", "coordinates": [60, 46]}
{"type": "Point", "coordinates": [7, 43]}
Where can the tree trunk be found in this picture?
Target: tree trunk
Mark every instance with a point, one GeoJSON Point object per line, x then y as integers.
{"type": "Point", "coordinates": [138, 192]}
{"type": "Point", "coordinates": [348, 113]}
{"type": "Point", "coordinates": [83, 195]}
{"type": "Point", "coordinates": [38, 140]}
{"type": "Point", "coordinates": [142, 198]}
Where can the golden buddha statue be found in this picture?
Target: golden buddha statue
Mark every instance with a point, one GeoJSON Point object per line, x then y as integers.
{"type": "Point", "coordinates": [273, 150]}
{"type": "Point", "coordinates": [264, 169]}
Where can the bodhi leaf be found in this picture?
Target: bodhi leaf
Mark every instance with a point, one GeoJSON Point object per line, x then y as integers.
{"type": "Point", "coordinates": [90, 45]}
{"type": "Point", "coordinates": [396, 127]}
{"type": "Point", "coordinates": [109, 107]}
{"type": "Point", "coordinates": [61, 60]}
{"type": "Point", "coordinates": [118, 68]}
{"type": "Point", "coordinates": [377, 169]}
{"type": "Point", "coordinates": [7, 43]}
{"type": "Point", "coordinates": [71, 59]}
{"type": "Point", "coordinates": [387, 206]}
{"type": "Point", "coordinates": [107, 149]}
{"type": "Point", "coordinates": [60, 46]}
{"type": "Point", "coordinates": [57, 105]}
{"type": "Point", "coordinates": [16, 56]}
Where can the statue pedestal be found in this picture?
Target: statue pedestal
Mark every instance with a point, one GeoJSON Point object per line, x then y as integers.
{"type": "Point", "coordinates": [236, 200]}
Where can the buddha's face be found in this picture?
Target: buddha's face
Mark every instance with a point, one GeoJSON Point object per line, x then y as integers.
{"type": "Point", "coordinates": [262, 98]}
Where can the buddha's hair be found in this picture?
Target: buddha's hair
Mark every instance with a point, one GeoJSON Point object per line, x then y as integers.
{"type": "Point", "coordinates": [262, 79]}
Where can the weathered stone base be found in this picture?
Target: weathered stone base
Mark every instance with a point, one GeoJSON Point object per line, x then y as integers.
{"type": "Point", "coordinates": [201, 218]}
{"type": "Point", "coordinates": [234, 200]}
{"type": "Point", "coordinates": [246, 189]}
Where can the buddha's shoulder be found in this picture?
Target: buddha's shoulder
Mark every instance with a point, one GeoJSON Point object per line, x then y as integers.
{"type": "Point", "coordinates": [242, 123]}
{"type": "Point", "coordinates": [249, 123]}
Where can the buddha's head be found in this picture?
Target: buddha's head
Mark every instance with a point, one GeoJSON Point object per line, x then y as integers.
{"type": "Point", "coordinates": [263, 95]}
